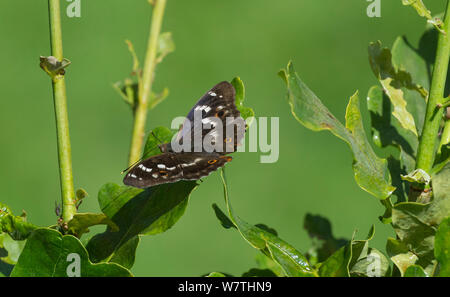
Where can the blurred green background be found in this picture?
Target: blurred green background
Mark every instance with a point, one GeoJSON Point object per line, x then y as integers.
{"type": "Point", "coordinates": [215, 40]}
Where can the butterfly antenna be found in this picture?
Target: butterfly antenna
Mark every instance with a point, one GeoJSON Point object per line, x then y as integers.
{"type": "Point", "coordinates": [132, 165]}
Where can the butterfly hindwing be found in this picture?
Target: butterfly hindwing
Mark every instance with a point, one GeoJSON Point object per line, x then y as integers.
{"type": "Point", "coordinates": [198, 165]}
{"type": "Point", "coordinates": [172, 167]}
{"type": "Point", "coordinates": [220, 97]}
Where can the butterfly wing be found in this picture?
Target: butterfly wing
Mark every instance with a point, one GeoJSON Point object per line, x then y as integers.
{"type": "Point", "coordinates": [219, 103]}
{"type": "Point", "coordinates": [172, 167]}
{"type": "Point", "coordinates": [197, 165]}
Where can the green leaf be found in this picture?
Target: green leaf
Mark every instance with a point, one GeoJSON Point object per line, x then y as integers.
{"type": "Point", "coordinates": [82, 221]}
{"type": "Point", "coordinates": [324, 244]}
{"type": "Point", "coordinates": [128, 91]}
{"type": "Point", "coordinates": [352, 258]}
{"type": "Point", "coordinates": [400, 254]}
{"type": "Point", "coordinates": [419, 7]}
{"type": "Point", "coordinates": [5, 269]}
{"type": "Point", "coordinates": [407, 59]}
{"type": "Point", "coordinates": [413, 66]}
{"type": "Point", "coordinates": [12, 247]}
{"type": "Point", "coordinates": [47, 253]}
{"type": "Point", "coordinates": [216, 274]}
{"type": "Point", "coordinates": [81, 194]}
{"type": "Point", "coordinates": [246, 112]}
{"type": "Point", "coordinates": [392, 81]}
{"type": "Point", "coordinates": [292, 261]}
{"type": "Point", "coordinates": [16, 226]}
{"type": "Point", "coordinates": [129, 88]}
{"type": "Point", "coordinates": [424, 12]}
{"type": "Point", "coordinates": [137, 211]}
{"type": "Point", "coordinates": [414, 225]}
{"type": "Point", "coordinates": [10, 251]}
{"type": "Point", "coordinates": [158, 136]}
{"type": "Point", "coordinates": [166, 45]}
{"type": "Point", "coordinates": [133, 55]}
{"type": "Point", "coordinates": [266, 263]}
{"type": "Point", "coordinates": [255, 272]}
{"type": "Point", "coordinates": [415, 271]}
{"type": "Point", "coordinates": [370, 171]}
{"type": "Point", "coordinates": [387, 131]}
{"type": "Point", "coordinates": [418, 176]}
{"type": "Point", "coordinates": [156, 99]}
{"type": "Point", "coordinates": [337, 264]}
{"type": "Point", "coordinates": [267, 229]}
{"type": "Point", "coordinates": [442, 247]}
{"type": "Point", "coordinates": [427, 48]}
{"type": "Point", "coordinates": [440, 206]}
{"type": "Point", "coordinates": [126, 254]}
{"type": "Point", "coordinates": [442, 158]}
{"type": "Point", "coordinates": [224, 220]}
{"type": "Point", "coordinates": [372, 263]}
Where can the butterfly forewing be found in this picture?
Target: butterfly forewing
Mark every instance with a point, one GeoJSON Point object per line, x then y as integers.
{"type": "Point", "coordinates": [172, 167]}
{"type": "Point", "coordinates": [154, 171]}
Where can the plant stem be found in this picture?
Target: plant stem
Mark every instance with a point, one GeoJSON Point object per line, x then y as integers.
{"type": "Point", "coordinates": [445, 137]}
{"type": "Point", "coordinates": [62, 119]}
{"type": "Point", "coordinates": [145, 85]}
{"type": "Point", "coordinates": [433, 117]}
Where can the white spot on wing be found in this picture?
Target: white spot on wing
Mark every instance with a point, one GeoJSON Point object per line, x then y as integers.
{"type": "Point", "coordinates": [206, 108]}
{"type": "Point", "coordinates": [207, 121]}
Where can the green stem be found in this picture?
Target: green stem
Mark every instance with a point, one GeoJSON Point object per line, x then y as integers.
{"type": "Point", "coordinates": [62, 119]}
{"type": "Point", "coordinates": [145, 85]}
{"type": "Point", "coordinates": [445, 137]}
{"type": "Point", "coordinates": [433, 117]}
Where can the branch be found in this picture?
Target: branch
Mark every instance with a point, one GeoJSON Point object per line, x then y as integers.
{"type": "Point", "coordinates": [433, 117]}
{"type": "Point", "coordinates": [60, 101]}
{"type": "Point", "coordinates": [145, 84]}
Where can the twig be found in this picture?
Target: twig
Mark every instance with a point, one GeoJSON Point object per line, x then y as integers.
{"type": "Point", "coordinates": [62, 119]}
{"type": "Point", "coordinates": [433, 117]}
{"type": "Point", "coordinates": [145, 85]}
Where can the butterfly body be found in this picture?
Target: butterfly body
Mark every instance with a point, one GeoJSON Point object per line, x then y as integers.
{"type": "Point", "coordinates": [215, 107]}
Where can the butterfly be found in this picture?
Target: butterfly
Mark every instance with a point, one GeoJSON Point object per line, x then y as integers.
{"type": "Point", "coordinates": [195, 160]}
